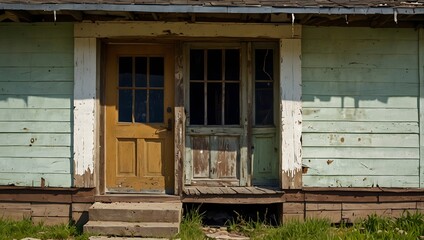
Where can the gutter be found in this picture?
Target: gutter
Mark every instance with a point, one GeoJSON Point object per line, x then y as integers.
{"type": "Point", "coordinates": [213, 9]}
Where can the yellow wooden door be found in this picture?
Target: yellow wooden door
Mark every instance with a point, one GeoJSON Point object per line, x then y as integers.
{"type": "Point", "coordinates": [139, 118]}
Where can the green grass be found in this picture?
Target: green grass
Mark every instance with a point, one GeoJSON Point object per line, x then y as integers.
{"type": "Point", "coordinates": [410, 226]}
{"type": "Point", "coordinates": [25, 228]}
{"type": "Point", "coordinates": [191, 225]}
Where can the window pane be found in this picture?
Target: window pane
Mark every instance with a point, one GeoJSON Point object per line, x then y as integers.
{"type": "Point", "coordinates": [141, 72]}
{"type": "Point", "coordinates": [156, 106]}
{"type": "Point", "coordinates": [125, 72]}
{"type": "Point", "coordinates": [264, 104]}
{"type": "Point", "coordinates": [140, 110]}
{"type": "Point", "coordinates": [197, 104]}
{"type": "Point", "coordinates": [215, 64]}
{"type": "Point", "coordinates": [214, 103]}
{"type": "Point", "coordinates": [196, 64]}
{"type": "Point", "coordinates": [232, 104]}
{"type": "Point", "coordinates": [156, 71]}
{"type": "Point", "coordinates": [264, 68]}
{"type": "Point", "coordinates": [125, 106]}
{"type": "Point", "coordinates": [232, 64]}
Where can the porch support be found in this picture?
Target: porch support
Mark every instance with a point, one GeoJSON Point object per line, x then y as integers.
{"type": "Point", "coordinates": [85, 82]}
{"type": "Point", "coordinates": [290, 114]}
{"type": "Point", "coordinates": [421, 103]}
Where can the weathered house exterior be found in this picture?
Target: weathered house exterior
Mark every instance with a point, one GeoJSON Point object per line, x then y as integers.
{"type": "Point", "coordinates": [313, 105]}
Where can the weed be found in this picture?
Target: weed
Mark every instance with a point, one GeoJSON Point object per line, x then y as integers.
{"type": "Point", "coordinates": [25, 228]}
{"type": "Point", "coordinates": [191, 225]}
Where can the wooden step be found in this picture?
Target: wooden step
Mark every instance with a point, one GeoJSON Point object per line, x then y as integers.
{"type": "Point", "coordinates": [136, 212]}
{"type": "Point", "coordinates": [131, 229]}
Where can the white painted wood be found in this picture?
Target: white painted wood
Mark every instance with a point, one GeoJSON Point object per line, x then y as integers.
{"type": "Point", "coordinates": [291, 113]}
{"type": "Point", "coordinates": [85, 107]}
{"type": "Point", "coordinates": [421, 104]}
{"type": "Point", "coordinates": [184, 29]}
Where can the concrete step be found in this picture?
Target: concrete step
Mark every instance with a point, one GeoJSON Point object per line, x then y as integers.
{"type": "Point", "coordinates": [131, 229]}
{"type": "Point", "coordinates": [136, 212]}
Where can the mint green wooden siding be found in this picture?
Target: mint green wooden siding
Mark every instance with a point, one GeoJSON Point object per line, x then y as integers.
{"type": "Point", "coordinates": [360, 107]}
{"type": "Point", "coordinates": [36, 89]}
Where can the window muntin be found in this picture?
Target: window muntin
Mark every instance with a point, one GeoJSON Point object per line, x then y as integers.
{"type": "Point", "coordinates": [141, 89]}
{"type": "Point", "coordinates": [215, 86]}
{"type": "Point", "coordinates": [264, 82]}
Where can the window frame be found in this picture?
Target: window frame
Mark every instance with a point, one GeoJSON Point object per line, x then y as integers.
{"type": "Point", "coordinates": [242, 81]}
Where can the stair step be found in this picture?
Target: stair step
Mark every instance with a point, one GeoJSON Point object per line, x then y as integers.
{"type": "Point", "coordinates": [135, 212]}
{"type": "Point", "coordinates": [131, 229]}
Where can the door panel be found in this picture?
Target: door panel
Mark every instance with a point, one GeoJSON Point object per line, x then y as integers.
{"type": "Point", "coordinates": [139, 103]}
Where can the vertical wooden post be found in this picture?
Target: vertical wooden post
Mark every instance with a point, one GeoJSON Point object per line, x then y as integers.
{"type": "Point", "coordinates": [84, 138]}
{"type": "Point", "coordinates": [179, 118]}
{"type": "Point", "coordinates": [290, 114]}
{"type": "Point", "coordinates": [421, 104]}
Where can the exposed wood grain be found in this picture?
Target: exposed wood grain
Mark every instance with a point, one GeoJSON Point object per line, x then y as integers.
{"type": "Point", "coordinates": [180, 29]}
{"type": "Point", "coordinates": [51, 221]}
{"type": "Point", "coordinates": [179, 119]}
{"type": "Point", "coordinates": [375, 206]}
{"type": "Point", "coordinates": [334, 216]}
{"type": "Point", "coordinates": [200, 156]}
{"type": "Point", "coordinates": [291, 113]}
{"type": "Point", "coordinates": [86, 79]}
{"type": "Point", "coordinates": [50, 210]}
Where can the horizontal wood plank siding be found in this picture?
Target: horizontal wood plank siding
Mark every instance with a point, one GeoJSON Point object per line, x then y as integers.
{"type": "Point", "coordinates": [360, 107]}
{"type": "Point", "coordinates": [36, 102]}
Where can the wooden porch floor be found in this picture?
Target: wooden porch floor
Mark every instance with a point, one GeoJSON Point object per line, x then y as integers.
{"type": "Point", "coordinates": [201, 190]}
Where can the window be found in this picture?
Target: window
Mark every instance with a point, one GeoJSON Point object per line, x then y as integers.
{"type": "Point", "coordinates": [264, 90]}
{"type": "Point", "coordinates": [141, 89]}
{"type": "Point", "coordinates": [215, 86]}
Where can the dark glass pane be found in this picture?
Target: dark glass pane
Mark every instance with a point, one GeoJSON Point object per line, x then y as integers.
{"type": "Point", "coordinates": [232, 64]}
{"type": "Point", "coordinates": [197, 62]}
{"type": "Point", "coordinates": [156, 71]}
{"type": "Point", "coordinates": [141, 72]}
{"type": "Point", "coordinates": [156, 106]}
{"type": "Point", "coordinates": [215, 64]}
{"type": "Point", "coordinates": [232, 104]}
{"type": "Point", "coordinates": [125, 106]}
{"type": "Point", "coordinates": [197, 104]}
{"type": "Point", "coordinates": [214, 103]}
{"type": "Point", "coordinates": [125, 72]}
{"type": "Point", "coordinates": [140, 109]}
{"type": "Point", "coordinates": [264, 104]}
{"type": "Point", "coordinates": [264, 68]}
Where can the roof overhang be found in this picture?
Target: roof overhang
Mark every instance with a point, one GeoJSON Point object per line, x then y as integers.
{"type": "Point", "coordinates": [213, 9]}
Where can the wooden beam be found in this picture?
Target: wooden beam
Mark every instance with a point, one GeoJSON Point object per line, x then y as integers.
{"type": "Point", "coordinates": [183, 29]}
{"type": "Point", "coordinates": [290, 113]}
{"type": "Point", "coordinates": [421, 104]}
{"type": "Point", "coordinates": [85, 98]}
{"type": "Point", "coordinates": [179, 118]}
